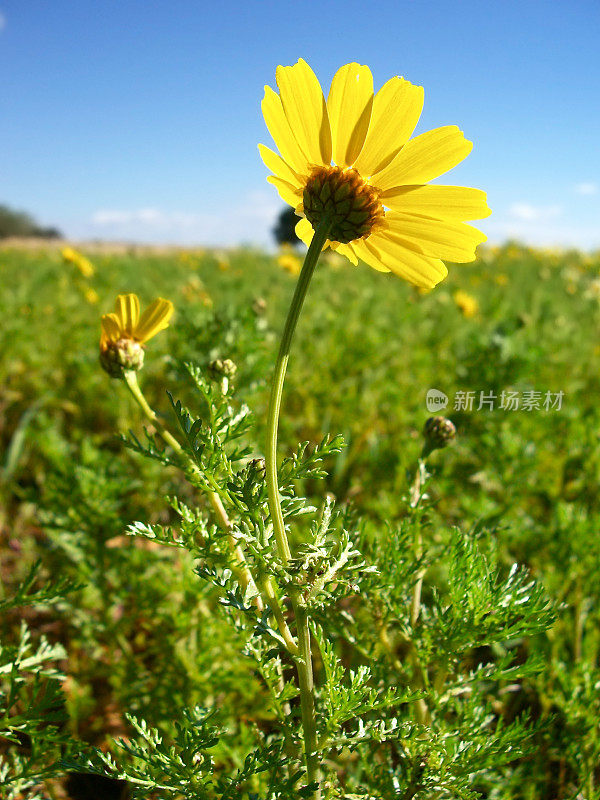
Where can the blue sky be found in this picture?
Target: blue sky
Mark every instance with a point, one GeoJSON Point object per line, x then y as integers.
{"type": "Point", "coordinates": [139, 120]}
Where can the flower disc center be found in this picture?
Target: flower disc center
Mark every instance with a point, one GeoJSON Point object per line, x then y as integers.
{"type": "Point", "coordinates": [352, 205]}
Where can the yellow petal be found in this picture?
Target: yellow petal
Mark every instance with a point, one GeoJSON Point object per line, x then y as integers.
{"type": "Point", "coordinates": [111, 327]}
{"type": "Point", "coordinates": [288, 193]}
{"type": "Point", "coordinates": [277, 165]}
{"type": "Point", "coordinates": [305, 232]}
{"type": "Point", "coordinates": [128, 312]}
{"type": "Point", "coordinates": [453, 241]}
{"type": "Point", "coordinates": [345, 250]}
{"type": "Point", "coordinates": [369, 254]}
{"type": "Point", "coordinates": [305, 110]}
{"type": "Point", "coordinates": [414, 267]}
{"type": "Point", "coordinates": [349, 107]}
{"type": "Point", "coordinates": [281, 132]}
{"type": "Point", "coordinates": [444, 202]}
{"type": "Point", "coordinates": [425, 157]}
{"type": "Point", "coordinates": [397, 107]}
{"type": "Point", "coordinates": [154, 319]}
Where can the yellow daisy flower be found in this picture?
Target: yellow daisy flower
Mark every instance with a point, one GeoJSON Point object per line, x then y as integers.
{"type": "Point", "coordinates": [83, 264]}
{"type": "Point", "coordinates": [350, 157]}
{"type": "Point", "coordinates": [125, 331]}
{"type": "Point", "coordinates": [466, 303]}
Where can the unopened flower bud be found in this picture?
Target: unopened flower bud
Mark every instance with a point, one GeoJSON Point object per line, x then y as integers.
{"type": "Point", "coordinates": [124, 354]}
{"type": "Point", "coordinates": [258, 466]}
{"type": "Point", "coordinates": [222, 368]}
{"type": "Point", "coordinates": [438, 433]}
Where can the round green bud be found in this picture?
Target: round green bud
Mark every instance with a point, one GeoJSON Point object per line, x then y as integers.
{"type": "Point", "coordinates": [438, 433]}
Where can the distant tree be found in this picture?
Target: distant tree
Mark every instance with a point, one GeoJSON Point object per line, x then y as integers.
{"type": "Point", "coordinates": [48, 233]}
{"type": "Point", "coordinates": [284, 231]}
{"type": "Point", "coordinates": [19, 223]}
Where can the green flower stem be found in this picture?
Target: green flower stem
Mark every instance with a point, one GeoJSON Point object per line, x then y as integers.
{"type": "Point", "coordinates": [415, 499]}
{"type": "Point", "coordinates": [416, 494]}
{"type": "Point", "coordinates": [304, 657]}
{"type": "Point", "coordinates": [243, 572]}
{"type": "Point", "coordinates": [307, 699]}
{"type": "Point", "coordinates": [131, 381]}
{"type": "Point", "coordinates": [310, 262]}
{"type": "Point", "coordinates": [275, 606]}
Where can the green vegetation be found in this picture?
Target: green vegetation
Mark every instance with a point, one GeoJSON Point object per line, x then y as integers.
{"type": "Point", "coordinates": [454, 601]}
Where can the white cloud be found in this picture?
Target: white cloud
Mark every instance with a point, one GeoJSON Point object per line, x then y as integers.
{"type": "Point", "coordinates": [525, 212]}
{"type": "Point", "coordinates": [586, 188]}
{"type": "Point", "coordinates": [249, 222]}
{"type": "Point", "coordinates": [143, 216]}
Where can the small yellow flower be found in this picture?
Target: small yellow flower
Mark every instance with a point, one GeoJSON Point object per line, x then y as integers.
{"type": "Point", "coordinates": [83, 264]}
{"type": "Point", "coordinates": [222, 261]}
{"type": "Point", "coordinates": [190, 258]}
{"type": "Point", "coordinates": [125, 331]}
{"type": "Point", "coordinates": [501, 279]}
{"type": "Point", "coordinates": [467, 304]}
{"type": "Point", "coordinates": [290, 263]}
{"type": "Point", "coordinates": [91, 295]}
{"type": "Point", "coordinates": [350, 159]}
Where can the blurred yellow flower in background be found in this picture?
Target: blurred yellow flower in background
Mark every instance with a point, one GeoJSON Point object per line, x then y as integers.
{"type": "Point", "coordinates": [350, 160]}
{"type": "Point", "coordinates": [289, 261]}
{"type": "Point", "coordinates": [194, 289]}
{"type": "Point", "coordinates": [191, 258]}
{"type": "Point", "coordinates": [222, 261]}
{"type": "Point", "coordinates": [83, 264]}
{"type": "Point", "coordinates": [467, 304]}
{"type": "Point", "coordinates": [334, 260]}
{"type": "Point", "coordinates": [91, 295]}
{"type": "Point", "coordinates": [593, 289]}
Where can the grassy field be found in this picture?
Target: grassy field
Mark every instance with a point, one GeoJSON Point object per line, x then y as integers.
{"type": "Point", "coordinates": [136, 634]}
